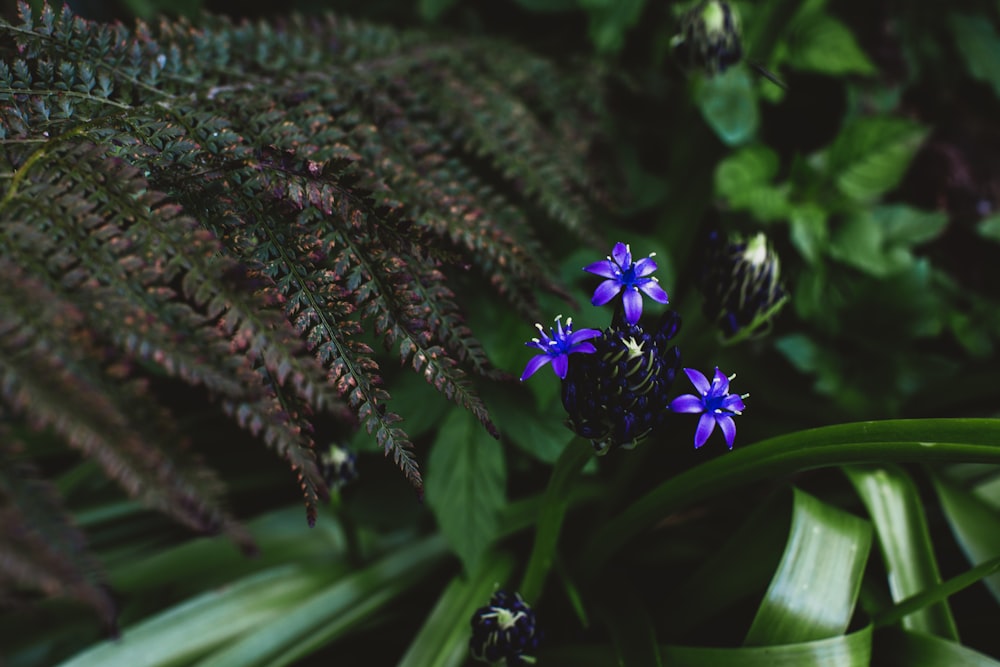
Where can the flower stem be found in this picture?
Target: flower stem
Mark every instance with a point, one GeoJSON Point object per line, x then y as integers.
{"type": "Point", "coordinates": [550, 517]}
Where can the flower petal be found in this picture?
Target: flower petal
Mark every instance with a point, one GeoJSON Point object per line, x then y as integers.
{"type": "Point", "coordinates": [533, 365]}
{"type": "Point", "coordinates": [604, 268]}
{"type": "Point", "coordinates": [720, 382]}
{"type": "Point", "coordinates": [622, 255]}
{"type": "Point", "coordinates": [583, 348]}
{"type": "Point", "coordinates": [582, 335]}
{"type": "Point", "coordinates": [645, 266]}
{"type": "Point", "coordinates": [699, 381]}
{"type": "Point", "coordinates": [687, 403]}
{"type": "Point", "coordinates": [728, 427]}
{"type": "Point", "coordinates": [605, 292]}
{"type": "Point", "coordinates": [705, 427]}
{"type": "Point", "coordinates": [633, 305]}
{"type": "Point", "coordinates": [654, 291]}
{"type": "Point", "coordinates": [733, 403]}
{"type": "Point", "coordinates": [560, 365]}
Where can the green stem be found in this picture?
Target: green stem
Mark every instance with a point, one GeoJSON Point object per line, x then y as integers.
{"type": "Point", "coordinates": [550, 517]}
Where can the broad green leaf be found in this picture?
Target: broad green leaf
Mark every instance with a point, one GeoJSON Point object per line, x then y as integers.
{"type": "Point", "coordinates": [330, 612]}
{"type": "Point", "coordinates": [897, 513]}
{"type": "Point", "coordinates": [744, 180]}
{"type": "Point", "coordinates": [814, 590]}
{"type": "Point", "coordinates": [821, 43]}
{"type": "Point", "coordinates": [443, 640]}
{"type": "Point", "coordinates": [729, 105]}
{"type": "Point", "coordinates": [974, 523]}
{"type": "Point", "coordinates": [610, 20]}
{"type": "Point", "coordinates": [917, 440]}
{"type": "Point", "coordinates": [465, 487]}
{"type": "Point", "coordinates": [871, 154]}
{"type": "Point", "coordinates": [539, 432]}
{"type": "Point", "coordinates": [979, 44]}
{"type": "Point", "coordinates": [550, 517]}
{"type": "Point", "coordinates": [878, 241]}
{"type": "Point", "coordinates": [189, 630]}
{"type": "Point", "coordinates": [911, 649]}
{"type": "Point", "coordinates": [851, 650]}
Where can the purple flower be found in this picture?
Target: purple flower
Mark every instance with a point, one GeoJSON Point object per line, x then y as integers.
{"type": "Point", "coordinates": [557, 347]}
{"type": "Point", "coordinates": [624, 274]}
{"type": "Point", "coordinates": [715, 401]}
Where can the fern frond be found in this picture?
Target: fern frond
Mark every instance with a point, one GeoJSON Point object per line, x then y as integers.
{"type": "Point", "coordinates": [246, 207]}
{"type": "Point", "coordinates": [42, 549]}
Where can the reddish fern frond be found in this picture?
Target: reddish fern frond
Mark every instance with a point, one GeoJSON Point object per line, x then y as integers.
{"type": "Point", "coordinates": [51, 373]}
{"type": "Point", "coordinates": [42, 549]}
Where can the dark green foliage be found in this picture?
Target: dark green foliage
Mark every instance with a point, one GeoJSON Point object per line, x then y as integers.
{"type": "Point", "coordinates": [246, 208]}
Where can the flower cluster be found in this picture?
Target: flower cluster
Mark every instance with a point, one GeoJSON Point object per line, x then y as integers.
{"type": "Point", "coordinates": [338, 466]}
{"type": "Point", "coordinates": [616, 382]}
{"type": "Point", "coordinates": [504, 631]}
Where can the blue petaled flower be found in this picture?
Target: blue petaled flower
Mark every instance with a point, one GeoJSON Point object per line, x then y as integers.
{"type": "Point", "coordinates": [557, 347]}
{"type": "Point", "coordinates": [504, 631]}
{"type": "Point", "coordinates": [624, 275]}
{"type": "Point", "coordinates": [715, 401]}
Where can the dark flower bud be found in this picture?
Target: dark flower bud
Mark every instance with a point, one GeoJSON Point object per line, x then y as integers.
{"type": "Point", "coordinates": [710, 38]}
{"type": "Point", "coordinates": [504, 632]}
{"type": "Point", "coordinates": [338, 466]}
{"type": "Point", "coordinates": [741, 284]}
{"type": "Point", "coordinates": [618, 395]}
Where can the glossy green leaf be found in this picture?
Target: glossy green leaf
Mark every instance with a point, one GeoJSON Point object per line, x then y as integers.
{"type": "Point", "coordinates": [979, 44]}
{"type": "Point", "coordinates": [871, 154]}
{"type": "Point", "coordinates": [466, 478]}
{"type": "Point", "coordinates": [878, 241]}
{"type": "Point", "coordinates": [815, 587]}
{"type": "Point", "coordinates": [729, 105]}
{"type": "Point", "coordinates": [189, 630]}
{"type": "Point", "coordinates": [851, 650]}
{"type": "Point", "coordinates": [974, 523]}
{"type": "Point", "coordinates": [820, 43]}
{"type": "Point", "coordinates": [936, 594]}
{"type": "Point", "coordinates": [927, 440]}
{"type": "Point", "coordinates": [911, 649]}
{"type": "Point", "coordinates": [897, 512]}
{"type": "Point", "coordinates": [330, 612]}
{"type": "Point", "coordinates": [443, 640]}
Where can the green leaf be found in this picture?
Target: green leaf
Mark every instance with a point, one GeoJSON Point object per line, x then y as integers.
{"type": "Point", "coordinates": [897, 512]}
{"type": "Point", "coordinates": [878, 241]}
{"type": "Point", "coordinates": [974, 523]}
{"type": "Point", "coordinates": [630, 626]}
{"type": "Point", "coordinates": [610, 20]}
{"type": "Point", "coordinates": [912, 649]}
{"type": "Point", "coordinates": [443, 640]}
{"type": "Point", "coordinates": [871, 155]}
{"type": "Point", "coordinates": [815, 588]}
{"type": "Point", "coordinates": [744, 180]}
{"type": "Point", "coordinates": [852, 650]}
{"type": "Point", "coordinates": [466, 486]}
{"type": "Point", "coordinates": [927, 440]}
{"type": "Point", "coordinates": [729, 105]}
{"type": "Point", "coordinates": [808, 230]}
{"type": "Point", "coordinates": [545, 6]}
{"type": "Point", "coordinates": [979, 44]}
{"type": "Point", "coordinates": [821, 43]}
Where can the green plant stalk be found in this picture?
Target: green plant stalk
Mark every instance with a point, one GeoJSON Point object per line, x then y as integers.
{"type": "Point", "coordinates": [921, 440]}
{"type": "Point", "coordinates": [550, 518]}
